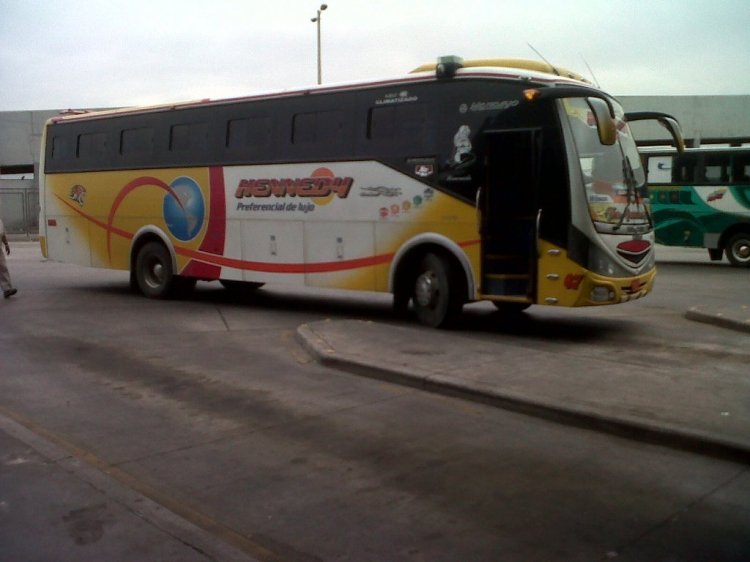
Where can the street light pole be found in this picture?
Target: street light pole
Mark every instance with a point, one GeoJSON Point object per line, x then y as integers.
{"type": "Point", "coordinates": [320, 56]}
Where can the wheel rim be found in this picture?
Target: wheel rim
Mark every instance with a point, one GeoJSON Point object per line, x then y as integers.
{"type": "Point", "coordinates": [741, 250]}
{"type": "Point", "coordinates": [155, 273]}
{"type": "Point", "coordinates": [427, 289]}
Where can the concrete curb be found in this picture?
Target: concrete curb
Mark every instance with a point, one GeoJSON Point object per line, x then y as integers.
{"type": "Point", "coordinates": [738, 319]}
{"type": "Point", "coordinates": [624, 426]}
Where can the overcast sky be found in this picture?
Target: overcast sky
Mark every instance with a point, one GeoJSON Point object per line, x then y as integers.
{"type": "Point", "coordinates": [58, 54]}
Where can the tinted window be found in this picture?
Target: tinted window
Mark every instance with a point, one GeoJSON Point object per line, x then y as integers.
{"type": "Point", "coordinates": [741, 168]}
{"type": "Point", "coordinates": [62, 147]}
{"type": "Point", "coordinates": [716, 168]}
{"type": "Point", "coordinates": [684, 168]}
{"type": "Point", "coordinates": [92, 145]}
{"type": "Point", "coordinates": [250, 132]}
{"type": "Point", "coordinates": [401, 121]}
{"type": "Point", "coordinates": [321, 127]}
{"type": "Point", "coordinates": [191, 136]}
{"type": "Point", "coordinates": [137, 141]}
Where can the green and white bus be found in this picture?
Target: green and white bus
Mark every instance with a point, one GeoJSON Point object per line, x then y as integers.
{"type": "Point", "coordinates": [701, 198]}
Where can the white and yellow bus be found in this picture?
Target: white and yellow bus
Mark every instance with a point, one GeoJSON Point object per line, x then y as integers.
{"type": "Point", "coordinates": [501, 180]}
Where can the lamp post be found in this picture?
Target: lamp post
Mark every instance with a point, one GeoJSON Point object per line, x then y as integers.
{"type": "Point", "coordinates": [317, 20]}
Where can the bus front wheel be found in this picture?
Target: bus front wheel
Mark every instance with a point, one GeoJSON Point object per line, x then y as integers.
{"type": "Point", "coordinates": [436, 296]}
{"type": "Point", "coordinates": [738, 250]}
{"type": "Point", "coordinates": [154, 274]}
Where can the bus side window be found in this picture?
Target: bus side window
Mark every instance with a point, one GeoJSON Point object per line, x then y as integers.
{"type": "Point", "coordinates": [92, 146]}
{"type": "Point", "coordinates": [741, 169]}
{"type": "Point", "coordinates": [303, 128]}
{"type": "Point", "coordinates": [660, 169]}
{"type": "Point", "coordinates": [396, 127]}
{"type": "Point", "coordinates": [319, 128]}
{"type": "Point", "coordinates": [381, 123]}
{"type": "Point", "coordinates": [683, 170]}
{"type": "Point", "coordinates": [137, 141]}
{"type": "Point", "coordinates": [62, 147]}
{"type": "Point", "coordinates": [188, 137]}
{"type": "Point", "coordinates": [248, 133]}
{"type": "Point", "coordinates": [717, 168]}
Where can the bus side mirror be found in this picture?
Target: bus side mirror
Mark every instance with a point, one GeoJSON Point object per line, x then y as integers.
{"type": "Point", "coordinates": [602, 109]}
{"type": "Point", "coordinates": [665, 120]}
{"type": "Point", "coordinates": [605, 123]}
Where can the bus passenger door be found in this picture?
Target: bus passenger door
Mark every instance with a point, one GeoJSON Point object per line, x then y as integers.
{"type": "Point", "coordinates": [509, 207]}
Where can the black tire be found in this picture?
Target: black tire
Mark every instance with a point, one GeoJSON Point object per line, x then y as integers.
{"type": "Point", "coordinates": [155, 276]}
{"type": "Point", "coordinates": [133, 283]}
{"type": "Point", "coordinates": [437, 293]}
{"type": "Point", "coordinates": [737, 250]}
{"type": "Point", "coordinates": [403, 291]}
{"type": "Point", "coordinates": [401, 300]}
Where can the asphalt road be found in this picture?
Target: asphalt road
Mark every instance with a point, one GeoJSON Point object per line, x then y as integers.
{"type": "Point", "coordinates": [201, 429]}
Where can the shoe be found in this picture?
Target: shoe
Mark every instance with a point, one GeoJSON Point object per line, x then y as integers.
{"type": "Point", "coordinates": [10, 293]}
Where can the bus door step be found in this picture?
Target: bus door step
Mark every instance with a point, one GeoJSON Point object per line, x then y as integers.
{"type": "Point", "coordinates": [506, 284]}
{"type": "Point", "coordinates": [509, 264]}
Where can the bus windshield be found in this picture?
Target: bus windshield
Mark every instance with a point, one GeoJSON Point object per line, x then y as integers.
{"type": "Point", "coordinates": [613, 175]}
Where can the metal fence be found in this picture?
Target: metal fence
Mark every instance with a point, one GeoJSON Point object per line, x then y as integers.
{"type": "Point", "coordinates": [19, 208]}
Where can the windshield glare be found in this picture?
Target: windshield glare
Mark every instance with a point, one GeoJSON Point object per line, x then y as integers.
{"type": "Point", "coordinates": [613, 175]}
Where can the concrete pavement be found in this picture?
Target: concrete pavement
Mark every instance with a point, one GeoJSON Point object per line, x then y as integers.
{"type": "Point", "coordinates": [693, 410]}
{"type": "Point", "coordinates": [61, 506]}
{"type": "Point", "coordinates": [75, 510]}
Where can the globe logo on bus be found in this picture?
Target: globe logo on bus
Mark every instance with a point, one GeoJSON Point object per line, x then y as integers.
{"type": "Point", "coordinates": [184, 209]}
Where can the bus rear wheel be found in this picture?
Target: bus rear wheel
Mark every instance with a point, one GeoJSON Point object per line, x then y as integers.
{"type": "Point", "coordinates": [154, 275]}
{"type": "Point", "coordinates": [436, 295]}
{"type": "Point", "coordinates": [738, 250]}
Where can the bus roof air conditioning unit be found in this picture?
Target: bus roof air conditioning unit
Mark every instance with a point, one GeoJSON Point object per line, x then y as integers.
{"type": "Point", "coordinates": [447, 66]}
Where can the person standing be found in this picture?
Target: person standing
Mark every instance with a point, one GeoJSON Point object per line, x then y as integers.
{"type": "Point", "coordinates": [5, 284]}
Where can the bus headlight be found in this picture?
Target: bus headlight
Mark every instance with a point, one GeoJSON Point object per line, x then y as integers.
{"type": "Point", "coordinates": [601, 293]}
{"type": "Point", "coordinates": [603, 264]}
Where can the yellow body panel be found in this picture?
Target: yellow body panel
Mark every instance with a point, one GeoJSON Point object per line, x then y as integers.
{"type": "Point", "coordinates": [563, 282]}
{"type": "Point", "coordinates": [114, 209]}
{"type": "Point", "coordinates": [100, 214]}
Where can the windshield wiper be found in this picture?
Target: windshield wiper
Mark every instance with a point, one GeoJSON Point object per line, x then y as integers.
{"type": "Point", "coordinates": [632, 193]}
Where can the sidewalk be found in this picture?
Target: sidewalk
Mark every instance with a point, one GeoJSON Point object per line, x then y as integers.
{"type": "Point", "coordinates": [690, 410]}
